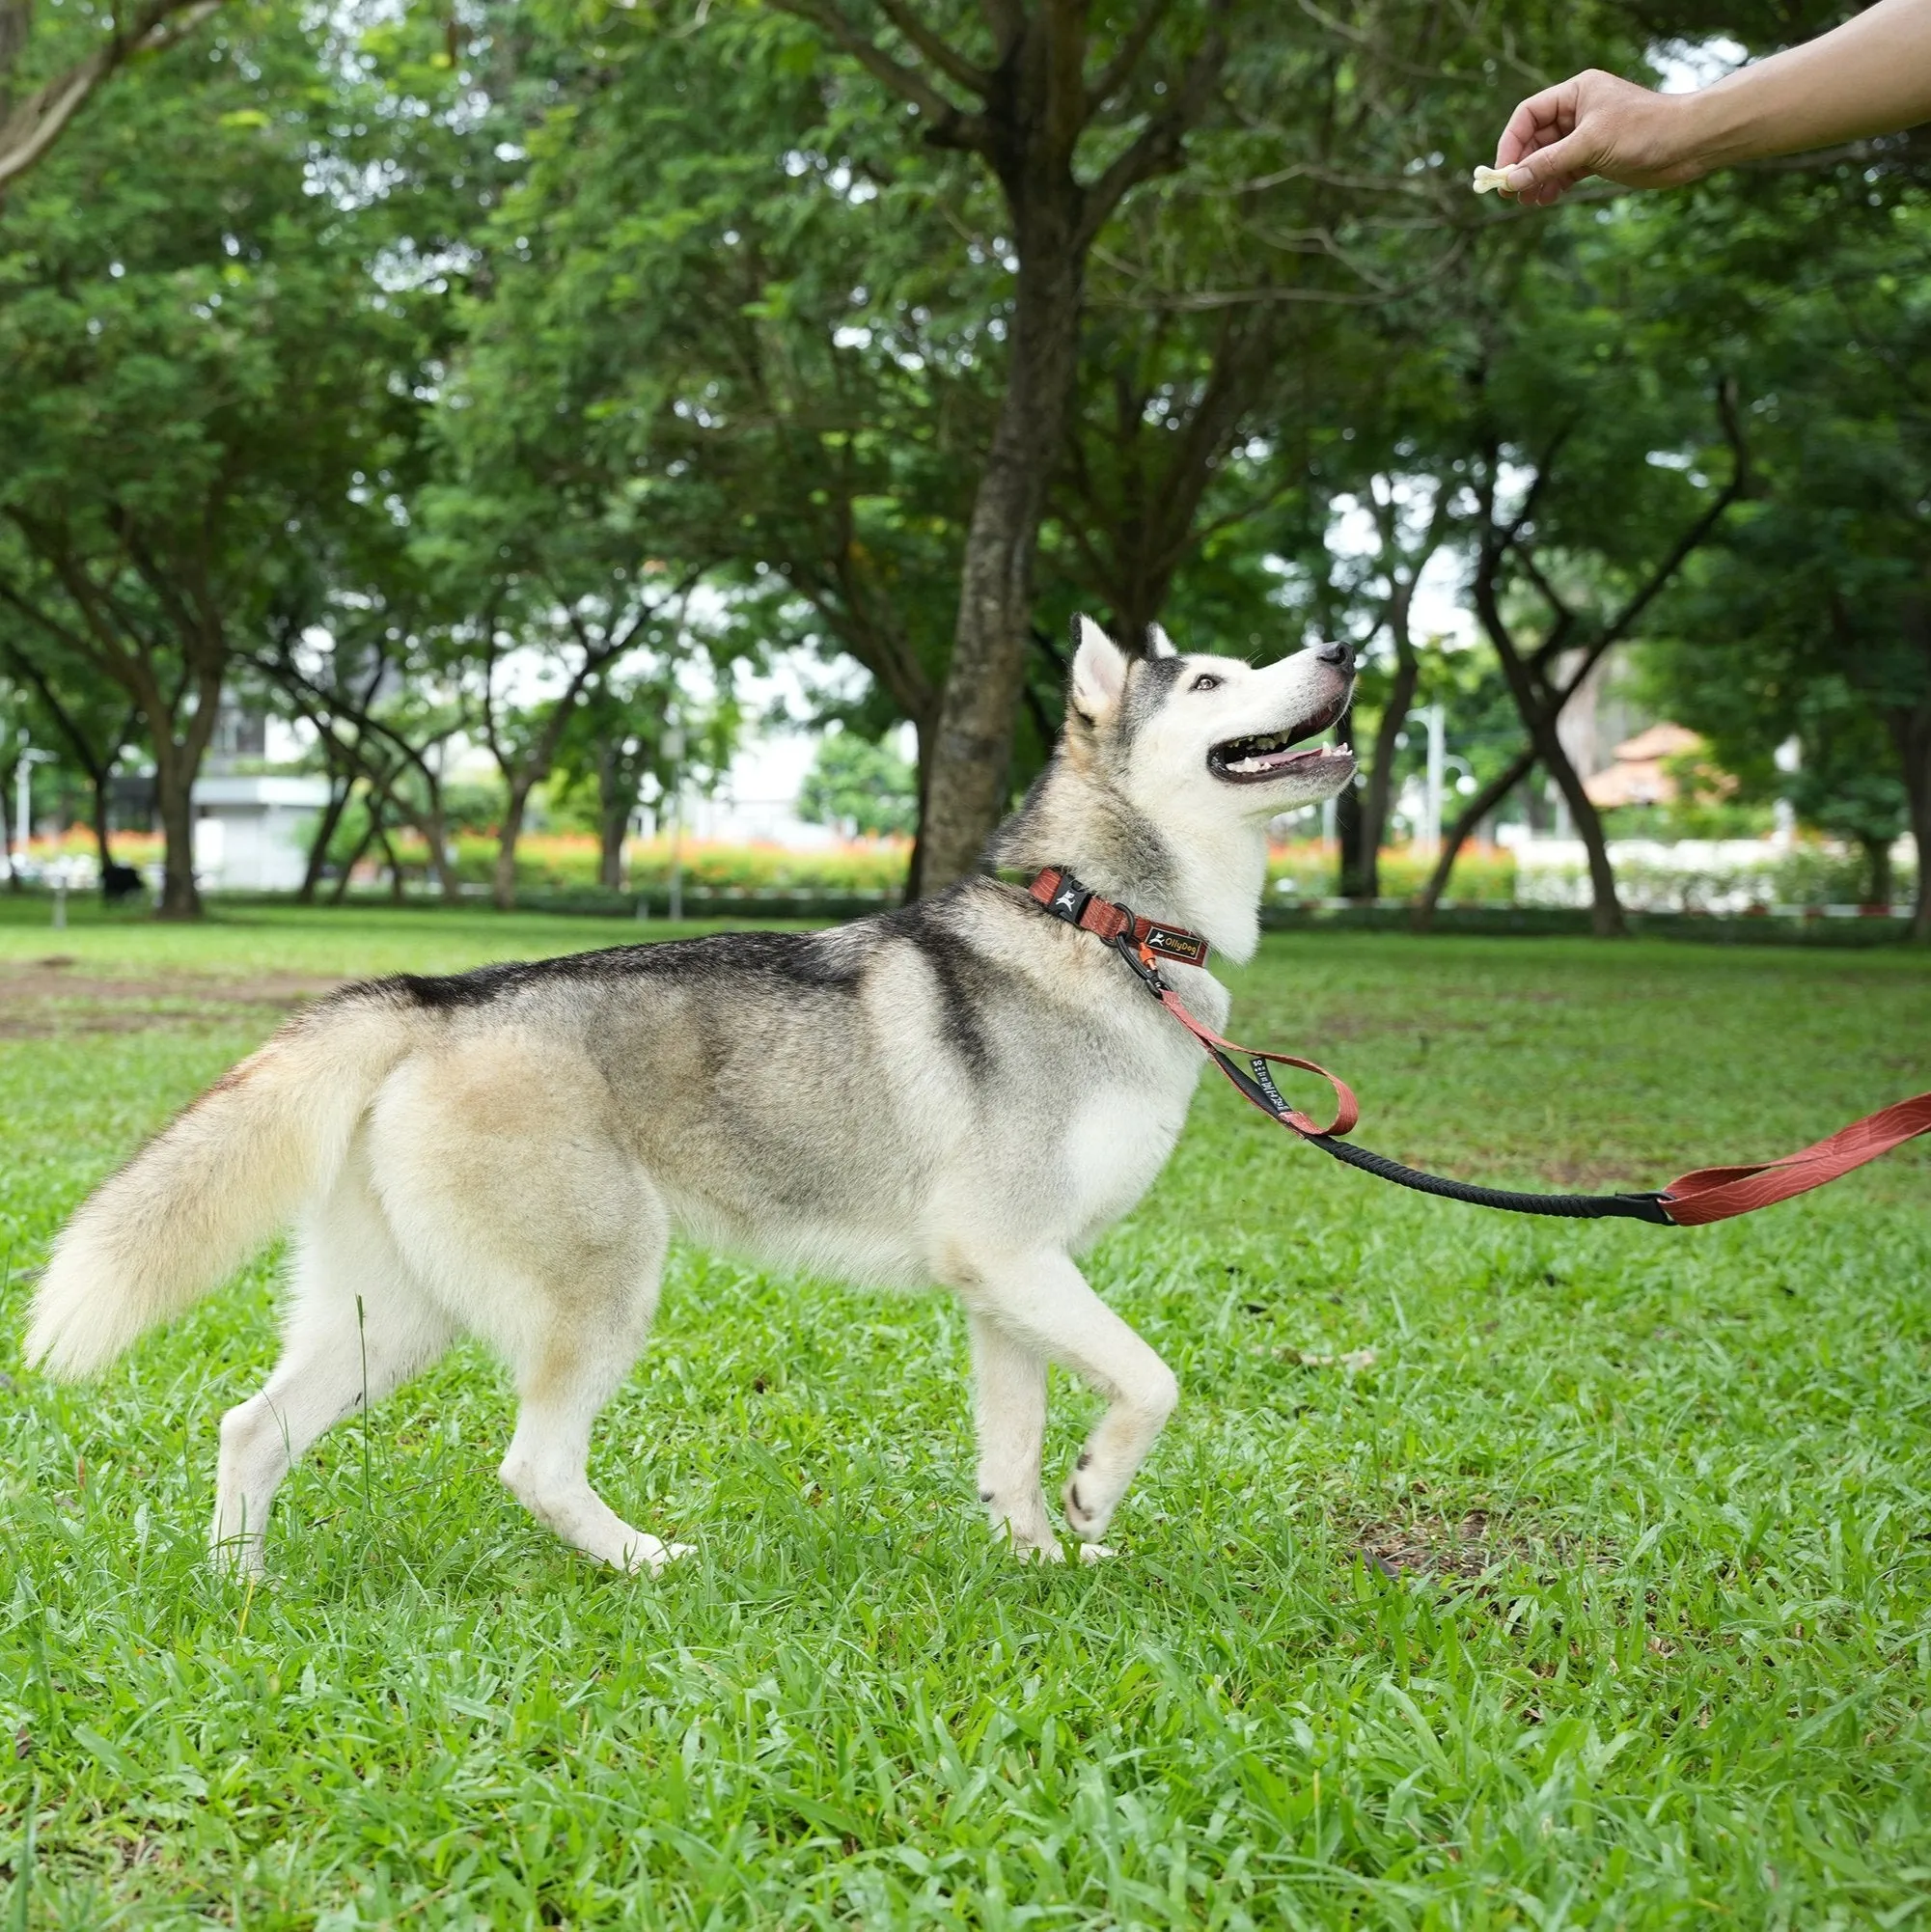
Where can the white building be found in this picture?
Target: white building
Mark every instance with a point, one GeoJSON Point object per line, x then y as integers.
{"type": "Point", "coordinates": [251, 834]}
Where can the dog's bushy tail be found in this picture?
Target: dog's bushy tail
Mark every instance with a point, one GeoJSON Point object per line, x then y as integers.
{"type": "Point", "coordinates": [215, 1184]}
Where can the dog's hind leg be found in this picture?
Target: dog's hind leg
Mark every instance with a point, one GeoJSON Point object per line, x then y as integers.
{"type": "Point", "coordinates": [539, 1231]}
{"type": "Point", "coordinates": [1009, 1393]}
{"type": "Point", "coordinates": [356, 1329]}
{"type": "Point", "coordinates": [562, 1383]}
{"type": "Point", "coordinates": [1043, 1301]}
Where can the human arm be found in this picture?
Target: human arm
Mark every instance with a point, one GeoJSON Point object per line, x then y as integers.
{"type": "Point", "coordinates": [1872, 75]}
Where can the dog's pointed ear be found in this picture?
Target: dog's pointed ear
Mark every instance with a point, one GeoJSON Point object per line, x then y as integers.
{"type": "Point", "coordinates": [1158, 643]}
{"type": "Point", "coordinates": [1099, 671]}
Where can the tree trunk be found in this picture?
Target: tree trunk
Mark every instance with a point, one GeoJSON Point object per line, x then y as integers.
{"type": "Point", "coordinates": [922, 731]}
{"type": "Point", "coordinates": [503, 887]}
{"type": "Point", "coordinates": [613, 831]}
{"type": "Point", "coordinates": [395, 892]}
{"type": "Point", "coordinates": [1877, 877]}
{"type": "Point", "coordinates": [331, 821]}
{"type": "Point", "coordinates": [1488, 799]}
{"type": "Point", "coordinates": [1606, 919]}
{"type": "Point", "coordinates": [431, 825]}
{"type": "Point", "coordinates": [1349, 826]}
{"type": "Point", "coordinates": [436, 830]}
{"type": "Point", "coordinates": [14, 883]}
{"type": "Point", "coordinates": [965, 787]}
{"type": "Point", "coordinates": [1539, 712]}
{"type": "Point", "coordinates": [1381, 779]}
{"type": "Point", "coordinates": [610, 856]}
{"type": "Point", "coordinates": [1911, 732]}
{"type": "Point", "coordinates": [174, 804]}
{"type": "Point", "coordinates": [368, 837]}
{"type": "Point", "coordinates": [101, 784]}
{"type": "Point", "coordinates": [617, 789]}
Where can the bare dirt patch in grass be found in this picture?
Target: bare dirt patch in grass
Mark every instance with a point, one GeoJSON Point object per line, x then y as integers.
{"type": "Point", "coordinates": [41, 998]}
{"type": "Point", "coordinates": [1464, 1549]}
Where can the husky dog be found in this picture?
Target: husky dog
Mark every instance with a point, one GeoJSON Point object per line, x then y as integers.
{"type": "Point", "coordinates": [963, 1093]}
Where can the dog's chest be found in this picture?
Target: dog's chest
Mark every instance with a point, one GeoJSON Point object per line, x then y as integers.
{"type": "Point", "coordinates": [1119, 1134]}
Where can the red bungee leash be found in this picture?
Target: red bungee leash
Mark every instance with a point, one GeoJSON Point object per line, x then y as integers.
{"type": "Point", "coordinates": [1705, 1195]}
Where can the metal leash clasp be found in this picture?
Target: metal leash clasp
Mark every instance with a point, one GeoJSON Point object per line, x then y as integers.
{"type": "Point", "coordinates": [1150, 974]}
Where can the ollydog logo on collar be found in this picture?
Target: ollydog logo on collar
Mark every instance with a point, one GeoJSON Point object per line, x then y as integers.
{"type": "Point", "coordinates": [1170, 942]}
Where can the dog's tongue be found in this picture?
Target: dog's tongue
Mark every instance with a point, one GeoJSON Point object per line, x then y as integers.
{"type": "Point", "coordinates": [1278, 761]}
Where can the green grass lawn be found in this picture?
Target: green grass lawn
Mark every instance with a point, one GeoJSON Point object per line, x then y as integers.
{"type": "Point", "coordinates": [1601, 1596]}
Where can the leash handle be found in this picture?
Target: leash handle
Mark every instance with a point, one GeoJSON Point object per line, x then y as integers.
{"type": "Point", "coordinates": [1261, 1087]}
{"type": "Point", "coordinates": [1716, 1193]}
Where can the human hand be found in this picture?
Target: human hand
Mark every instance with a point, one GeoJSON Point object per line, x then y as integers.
{"type": "Point", "coordinates": [1594, 123]}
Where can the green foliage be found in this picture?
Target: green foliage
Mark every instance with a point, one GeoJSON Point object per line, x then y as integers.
{"type": "Point", "coordinates": [1808, 621]}
{"type": "Point", "coordinates": [1653, 1496]}
{"type": "Point", "coordinates": [855, 782]}
{"type": "Point", "coordinates": [495, 353]}
{"type": "Point", "coordinates": [1305, 872]}
{"type": "Point", "coordinates": [203, 392]}
{"type": "Point", "coordinates": [843, 869]}
{"type": "Point", "coordinates": [1693, 816]}
{"type": "Point", "coordinates": [744, 340]}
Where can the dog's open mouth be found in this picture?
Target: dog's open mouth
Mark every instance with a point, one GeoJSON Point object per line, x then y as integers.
{"type": "Point", "coordinates": [1273, 754]}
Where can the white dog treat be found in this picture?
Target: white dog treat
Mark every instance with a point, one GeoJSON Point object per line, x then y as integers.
{"type": "Point", "coordinates": [1489, 181]}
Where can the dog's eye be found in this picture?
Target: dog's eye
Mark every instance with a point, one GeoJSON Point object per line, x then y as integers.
{"type": "Point", "coordinates": [1206, 682]}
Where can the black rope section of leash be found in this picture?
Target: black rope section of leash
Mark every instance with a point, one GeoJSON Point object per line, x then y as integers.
{"type": "Point", "coordinates": [1569, 1206]}
{"type": "Point", "coordinates": [1259, 1089]}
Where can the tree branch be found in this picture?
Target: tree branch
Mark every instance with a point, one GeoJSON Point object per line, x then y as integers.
{"type": "Point", "coordinates": [949, 60]}
{"type": "Point", "coordinates": [1456, 836]}
{"type": "Point", "coordinates": [1157, 148]}
{"type": "Point", "coordinates": [97, 765]}
{"type": "Point", "coordinates": [32, 128]}
{"type": "Point", "coordinates": [949, 125]}
{"type": "Point", "coordinates": [1006, 21]}
{"type": "Point", "coordinates": [1120, 69]}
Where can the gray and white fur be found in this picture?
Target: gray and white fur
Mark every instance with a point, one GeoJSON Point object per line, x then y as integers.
{"type": "Point", "coordinates": [962, 1093]}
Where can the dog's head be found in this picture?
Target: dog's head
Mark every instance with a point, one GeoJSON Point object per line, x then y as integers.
{"type": "Point", "coordinates": [1188, 737]}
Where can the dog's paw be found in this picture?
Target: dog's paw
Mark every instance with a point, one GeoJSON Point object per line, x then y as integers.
{"type": "Point", "coordinates": [239, 1561]}
{"type": "Point", "coordinates": [1095, 1553]}
{"type": "Point", "coordinates": [648, 1553]}
{"type": "Point", "coordinates": [1087, 1524]}
{"type": "Point", "coordinates": [1037, 1550]}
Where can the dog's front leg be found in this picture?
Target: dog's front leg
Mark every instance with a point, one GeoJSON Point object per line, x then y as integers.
{"type": "Point", "coordinates": [1042, 1302]}
{"type": "Point", "coordinates": [1010, 1390]}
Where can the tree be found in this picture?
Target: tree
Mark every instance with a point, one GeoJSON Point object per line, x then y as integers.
{"type": "Point", "coordinates": [1752, 681]}
{"type": "Point", "coordinates": [768, 354]}
{"type": "Point", "coordinates": [854, 782]}
{"type": "Point", "coordinates": [368, 684]}
{"type": "Point", "coordinates": [1413, 516]}
{"type": "Point", "coordinates": [91, 717]}
{"type": "Point", "coordinates": [786, 340]}
{"type": "Point", "coordinates": [1604, 442]}
{"type": "Point", "coordinates": [195, 382]}
{"type": "Point", "coordinates": [1026, 91]}
{"type": "Point", "coordinates": [33, 117]}
{"type": "Point", "coordinates": [1813, 608]}
{"type": "Point", "coordinates": [635, 738]}
{"type": "Point", "coordinates": [562, 589]}
{"type": "Point", "coordinates": [1085, 117]}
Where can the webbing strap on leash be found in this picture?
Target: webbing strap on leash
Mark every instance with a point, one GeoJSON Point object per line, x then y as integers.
{"type": "Point", "coordinates": [1690, 1201]}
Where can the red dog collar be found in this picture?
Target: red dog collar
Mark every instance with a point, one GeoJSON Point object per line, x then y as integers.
{"type": "Point", "coordinates": [1064, 898]}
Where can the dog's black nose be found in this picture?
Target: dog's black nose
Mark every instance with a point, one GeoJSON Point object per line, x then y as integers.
{"type": "Point", "coordinates": [1340, 655]}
